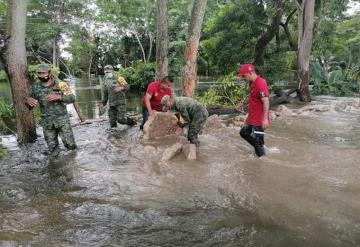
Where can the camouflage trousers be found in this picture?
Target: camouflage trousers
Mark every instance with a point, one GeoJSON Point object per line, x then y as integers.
{"type": "Point", "coordinates": [65, 132]}
{"type": "Point", "coordinates": [117, 114]}
{"type": "Point", "coordinates": [196, 125]}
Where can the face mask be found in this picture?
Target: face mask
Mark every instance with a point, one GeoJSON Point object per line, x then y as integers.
{"type": "Point", "coordinates": [44, 79]}
{"type": "Point", "coordinates": [109, 75]}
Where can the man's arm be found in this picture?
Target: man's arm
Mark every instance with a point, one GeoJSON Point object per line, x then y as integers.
{"type": "Point", "coordinates": [265, 116]}
{"type": "Point", "coordinates": [148, 104]}
{"type": "Point", "coordinates": [31, 100]}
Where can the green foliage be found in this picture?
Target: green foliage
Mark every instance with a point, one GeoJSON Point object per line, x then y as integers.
{"type": "Point", "coordinates": [3, 76]}
{"type": "Point", "coordinates": [138, 76]}
{"type": "Point", "coordinates": [2, 151]}
{"type": "Point", "coordinates": [226, 92]}
{"type": "Point", "coordinates": [331, 80]}
{"type": "Point", "coordinates": [7, 118]}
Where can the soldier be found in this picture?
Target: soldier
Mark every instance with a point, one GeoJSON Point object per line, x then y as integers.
{"type": "Point", "coordinates": [189, 112]}
{"type": "Point", "coordinates": [114, 91]}
{"type": "Point", "coordinates": [52, 95]}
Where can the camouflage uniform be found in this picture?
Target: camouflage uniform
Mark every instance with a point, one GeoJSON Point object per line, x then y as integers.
{"type": "Point", "coordinates": [194, 114]}
{"type": "Point", "coordinates": [54, 117]}
{"type": "Point", "coordinates": [117, 100]}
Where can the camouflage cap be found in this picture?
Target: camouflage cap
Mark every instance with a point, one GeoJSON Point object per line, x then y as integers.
{"type": "Point", "coordinates": [42, 68]}
{"type": "Point", "coordinates": [165, 100]}
{"type": "Point", "coordinates": [108, 68]}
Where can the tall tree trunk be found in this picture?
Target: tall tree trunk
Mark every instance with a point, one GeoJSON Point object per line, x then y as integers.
{"type": "Point", "coordinates": [16, 68]}
{"type": "Point", "coordinates": [305, 40]}
{"type": "Point", "coordinates": [56, 52]}
{"type": "Point", "coordinates": [162, 39]}
{"type": "Point", "coordinates": [191, 49]}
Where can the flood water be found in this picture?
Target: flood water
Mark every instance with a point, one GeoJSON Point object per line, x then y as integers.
{"type": "Point", "coordinates": [113, 192]}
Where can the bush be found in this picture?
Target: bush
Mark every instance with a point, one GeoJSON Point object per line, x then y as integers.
{"type": "Point", "coordinates": [228, 92]}
{"type": "Point", "coordinates": [331, 81]}
{"type": "Point", "coordinates": [139, 75]}
{"type": "Point", "coordinates": [2, 151]}
{"type": "Point", "coordinates": [7, 118]}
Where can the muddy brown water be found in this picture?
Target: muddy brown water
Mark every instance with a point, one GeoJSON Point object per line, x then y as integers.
{"type": "Point", "coordinates": [110, 192]}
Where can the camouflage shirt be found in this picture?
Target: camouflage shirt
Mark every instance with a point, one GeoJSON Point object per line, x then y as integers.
{"type": "Point", "coordinates": [188, 108]}
{"type": "Point", "coordinates": [114, 98]}
{"type": "Point", "coordinates": [52, 113]}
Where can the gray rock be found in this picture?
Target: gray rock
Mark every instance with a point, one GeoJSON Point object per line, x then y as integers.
{"type": "Point", "coordinates": [212, 123]}
{"type": "Point", "coordinates": [170, 152]}
{"type": "Point", "coordinates": [162, 124]}
{"type": "Point", "coordinates": [189, 150]}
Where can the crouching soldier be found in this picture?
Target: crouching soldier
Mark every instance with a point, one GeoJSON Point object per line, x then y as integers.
{"type": "Point", "coordinates": [52, 95]}
{"type": "Point", "coordinates": [114, 91]}
{"type": "Point", "coordinates": [190, 112]}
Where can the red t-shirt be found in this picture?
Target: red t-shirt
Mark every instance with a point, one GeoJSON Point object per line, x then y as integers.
{"type": "Point", "coordinates": [258, 89]}
{"type": "Point", "coordinates": [156, 94]}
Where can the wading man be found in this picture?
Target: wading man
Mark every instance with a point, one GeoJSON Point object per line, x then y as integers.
{"type": "Point", "coordinates": [258, 109]}
{"type": "Point", "coordinates": [52, 95]}
{"type": "Point", "coordinates": [114, 89]}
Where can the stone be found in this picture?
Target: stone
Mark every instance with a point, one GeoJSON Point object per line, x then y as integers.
{"type": "Point", "coordinates": [189, 151]}
{"type": "Point", "coordinates": [272, 115]}
{"type": "Point", "coordinates": [149, 150]}
{"type": "Point", "coordinates": [283, 111]}
{"type": "Point", "coordinates": [240, 118]}
{"type": "Point", "coordinates": [170, 152]}
{"type": "Point", "coordinates": [162, 124]}
{"type": "Point", "coordinates": [212, 123]}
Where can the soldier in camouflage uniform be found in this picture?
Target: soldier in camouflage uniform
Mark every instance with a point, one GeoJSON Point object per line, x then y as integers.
{"type": "Point", "coordinates": [114, 91]}
{"type": "Point", "coordinates": [52, 95]}
{"type": "Point", "coordinates": [190, 112]}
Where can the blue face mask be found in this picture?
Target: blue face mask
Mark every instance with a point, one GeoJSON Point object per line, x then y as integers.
{"type": "Point", "coordinates": [109, 75]}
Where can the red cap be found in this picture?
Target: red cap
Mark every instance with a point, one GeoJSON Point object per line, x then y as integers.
{"type": "Point", "coordinates": [246, 68]}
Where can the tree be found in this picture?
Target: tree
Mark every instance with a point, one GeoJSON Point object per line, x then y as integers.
{"type": "Point", "coordinates": [191, 49]}
{"type": "Point", "coordinates": [162, 39]}
{"type": "Point", "coordinates": [16, 68]}
{"type": "Point", "coordinates": [305, 39]}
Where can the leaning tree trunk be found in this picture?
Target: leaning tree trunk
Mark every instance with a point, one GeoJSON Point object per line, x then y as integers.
{"type": "Point", "coordinates": [162, 39]}
{"type": "Point", "coordinates": [270, 33]}
{"type": "Point", "coordinates": [305, 40]}
{"type": "Point", "coordinates": [16, 68]}
{"type": "Point", "coordinates": [191, 49]}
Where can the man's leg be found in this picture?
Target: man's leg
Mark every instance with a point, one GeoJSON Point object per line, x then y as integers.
{"type": "Point", "coordinates": [195, 127]}
{"type": "Point", "coordinates": [67, 136]}
{"type": "Point", "coordinates": [51, 138]}
{"type": "Point", "coordinates": [256, 140]}
{"type": "Point", "coordinates": [112, 116]}
{"type": "Point", "coordinates": [145, 118]}
{"type": "Point", "coordinates": [245, 132]}
{"type": "Point", "coordinates": [259, 141]}
{"type": "Point", "coordinates": [121, 113]}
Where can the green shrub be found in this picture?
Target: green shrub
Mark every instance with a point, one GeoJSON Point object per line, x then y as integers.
{"type": "Point", "coordinates": [3, 76]}
{"type": "Point", "coordinates": [331, 80]}
{"type": "Point", "coordinates": [2, 151]}
{"type": "Point", "coordinates": [228, 92]}
{"type": "Point", "coordinates": [7, 118]}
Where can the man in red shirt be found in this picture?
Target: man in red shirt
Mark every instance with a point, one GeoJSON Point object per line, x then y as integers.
{"type": "Point", "coordinates": [258, 109]}
{"type": "Point", "coordinates": [154, 93]}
